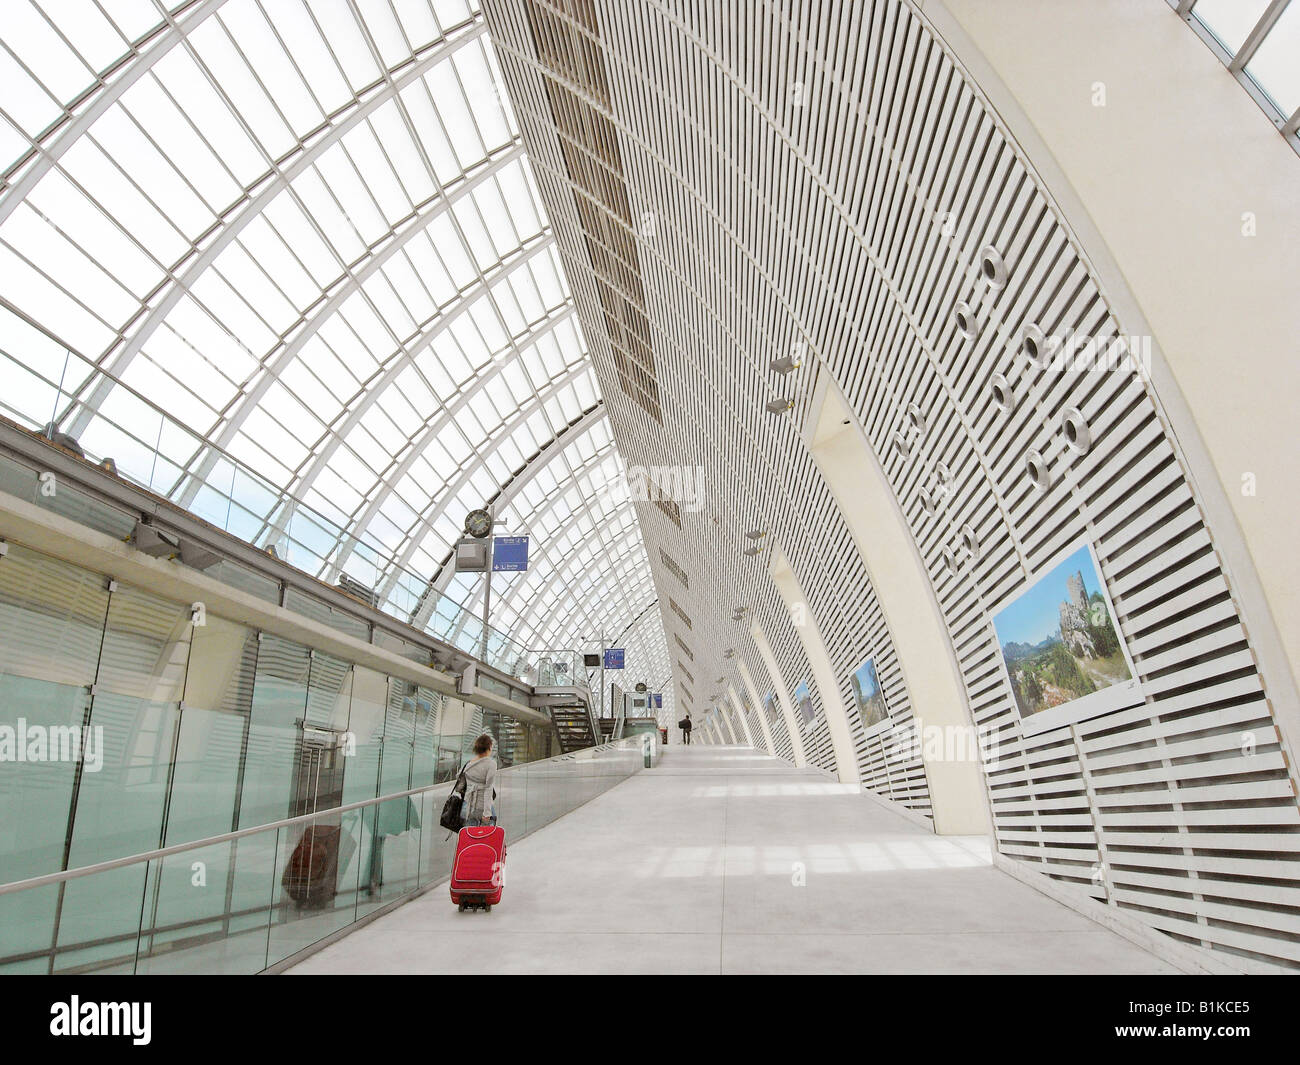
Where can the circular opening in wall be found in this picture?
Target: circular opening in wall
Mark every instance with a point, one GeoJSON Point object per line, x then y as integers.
{"type": "Point", "coordinates": [927, 502]}
{"type": "Point", "coordinates": [1001, 389]}
{"type": "Point", "coordinates": [1039, 474]}
{"type": "Point", "coordinates": [917, 419]}
{"type": "Point", "coordinates": [900, 442]}
{"type": "Point", "coordinates": [992, 267]}
{"type": "Point", "coordinates": [1078, 437]}
{"type": "Point", "coordinates": [965, 318]}
{"type": "Point", "coordinates": [1034, 344]}
{"type": "Point", "coordinates": [970, 541]}
{"type": "Point", "coordinates": [950, 561]}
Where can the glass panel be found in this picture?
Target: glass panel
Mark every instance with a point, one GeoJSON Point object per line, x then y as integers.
{"type": "Point", "coordinates": [396, 824]}
{"type": "Point", "coordinates": [100, 938]}
{"type": "Point", "coordinates": [213, 730]}
{"type": "Point", "coordinates": [275, 731]}
{"type": "Point", "coordinates": [118, 806]}
{"type": "Point", "coordinates": [424, 762]}
{"type": "Point", "coordinates": [52, 616]}
{"type": "Point", "coordinates": [1275, 66]}
{"type": "Point", "coordinates": [437, 852]}
{"type": "Point", "coordinates": [362, 754]}
{"type": "Point", "coordinates": [207, 909]}
{"type": "Point", "coordinates": [316, 890]}
{"type": "Point", "coordinates": [448, 740]}
{"type": "Point", "coordinates": [1230, 20]}
{"type": "Point", "coordinates": [189, 897]}
{"type": "Point", "coordinates": [328, 693]}
{"type": "Point", "coordinates": [365, 733]}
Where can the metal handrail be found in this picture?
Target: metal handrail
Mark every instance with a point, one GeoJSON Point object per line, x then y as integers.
{"type": "Point", "coordinates": [46, 879]}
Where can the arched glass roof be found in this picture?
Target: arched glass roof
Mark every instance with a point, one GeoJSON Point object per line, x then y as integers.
{"type": "Point", "coordinates": [288, 262]}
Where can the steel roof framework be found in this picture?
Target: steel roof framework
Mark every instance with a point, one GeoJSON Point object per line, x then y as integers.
{"type": "Point", "coordinates": [316, 240]}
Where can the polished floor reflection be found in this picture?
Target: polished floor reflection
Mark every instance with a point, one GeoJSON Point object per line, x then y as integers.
{"type": "Point", "coordinates": [724, 860]}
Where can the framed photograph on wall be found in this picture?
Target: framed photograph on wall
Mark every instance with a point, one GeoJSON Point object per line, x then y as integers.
{"type": "Point", "coordinates": [803, 700]}
{"type": "Point", "coordinates": [867, 695]}
{"type": "Point", "coordinates": [1062, 654]}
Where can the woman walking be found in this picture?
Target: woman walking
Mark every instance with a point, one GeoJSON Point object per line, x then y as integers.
{"type": "Point", "coordinates": [479, 807]}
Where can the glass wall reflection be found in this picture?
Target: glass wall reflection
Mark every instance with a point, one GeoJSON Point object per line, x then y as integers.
{"type": "Point", "coordinates": [129, 722]}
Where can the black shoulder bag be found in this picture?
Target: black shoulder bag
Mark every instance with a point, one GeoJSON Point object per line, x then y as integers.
{"type": "Point", "coordinates": [451, 809]}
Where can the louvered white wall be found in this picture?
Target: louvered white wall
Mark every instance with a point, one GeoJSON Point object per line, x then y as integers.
{"type": "Point", "coordinates": [792, 172]}
{"type": "Point", "coordinates": [747, 453]}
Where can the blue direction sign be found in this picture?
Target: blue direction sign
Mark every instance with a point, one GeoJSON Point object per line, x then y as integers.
{"type": "Point", "coordinates": [658, 701]}
{"type": "Point", "coordinates": [613, 657]}
{"type": "Point", "coordinates": [509, 554]}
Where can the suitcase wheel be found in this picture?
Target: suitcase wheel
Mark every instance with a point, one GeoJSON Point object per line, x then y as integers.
{"type": "Point", "coordinates": [487, 907]}
{"type": "Point", "coordinates": [462, 905]}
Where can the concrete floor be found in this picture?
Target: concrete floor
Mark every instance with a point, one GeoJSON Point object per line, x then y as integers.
{"type": "Point", "coordinates": [691, 867]}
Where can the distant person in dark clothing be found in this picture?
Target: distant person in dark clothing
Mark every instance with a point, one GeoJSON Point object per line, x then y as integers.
{"type": "Point", "coordinates": [685, 725]}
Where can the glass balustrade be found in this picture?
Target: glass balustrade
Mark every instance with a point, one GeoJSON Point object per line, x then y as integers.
{"type": "Point", "coordinates": [241, 903]}
{"type": "Point", "coordinates": [129, 724]}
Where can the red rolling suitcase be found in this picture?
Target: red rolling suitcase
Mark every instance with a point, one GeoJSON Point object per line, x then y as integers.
{"type": "Point", "coordinates": [478, 871]}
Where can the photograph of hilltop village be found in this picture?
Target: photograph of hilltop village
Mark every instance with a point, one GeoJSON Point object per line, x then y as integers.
{"type": "Point", "coordinates": [870, 700]}
{"type": "Point", "coordinates": [1058, 640]}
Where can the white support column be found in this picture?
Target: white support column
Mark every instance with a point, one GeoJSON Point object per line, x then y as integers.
{"type": "Point", "coordinates": [724, 715]}
{"type": "Point", "coordinates": [850, 469]}
{"type": "Point", "coordinates": [759, 709]}
{"type": "Point", "coordinates": [740, 713]}
{"type": "Point", "coordinates": [782, 696]}
{"type": "Point", "coordinates": [814, 648]}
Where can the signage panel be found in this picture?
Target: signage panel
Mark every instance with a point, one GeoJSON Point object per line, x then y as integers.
{"type": "Point", "coordinates": [509, 554]}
